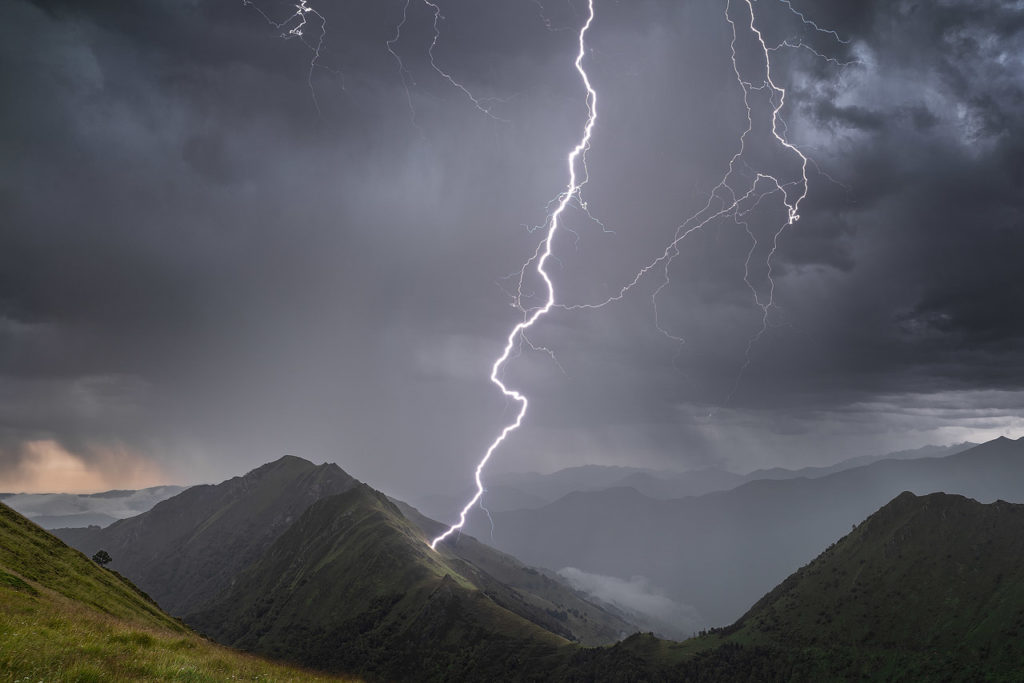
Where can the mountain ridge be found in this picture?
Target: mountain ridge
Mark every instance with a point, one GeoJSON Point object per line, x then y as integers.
{"type": "Point", "coordinates": [353, 585]}
{"type": "Point", "coordinates": [199, 539]}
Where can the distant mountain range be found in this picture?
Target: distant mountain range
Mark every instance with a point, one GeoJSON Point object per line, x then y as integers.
{"type": "Point", "coordinates": [925, 588]}
{"type": "Point", "coordinates": [530, 490]}
{"type": "Point", "coordinates": [720, 551]}
{"type": "Point", "coordinates": [57, 510]}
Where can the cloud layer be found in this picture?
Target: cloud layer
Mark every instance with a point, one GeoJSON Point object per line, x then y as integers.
{"type": "Point", "coordinates": [201, 269]}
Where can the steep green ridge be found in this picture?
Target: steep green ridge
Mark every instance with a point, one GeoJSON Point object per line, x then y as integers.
{"type": "Point", "coordinates": [353, 585]}
{"type": "Point", "coordinates": [187, 549]}
{"type": "Point", "coordinates": [927, 588]}
{"type": "Point", "coordinates": [62, 617]}
{"type": "Point", "coordinates": [29, 554]}
{"type": "Point", "coordinates": [538, 595]}
{"type": "Point", "coordinates": [936, 578]}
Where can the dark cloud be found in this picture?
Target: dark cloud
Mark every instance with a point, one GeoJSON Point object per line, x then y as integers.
{"type": "Point", "coordinates": [213, 255]}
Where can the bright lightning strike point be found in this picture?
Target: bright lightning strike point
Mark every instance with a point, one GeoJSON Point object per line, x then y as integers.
{"type": "Point", "coordinates": [517, 332]}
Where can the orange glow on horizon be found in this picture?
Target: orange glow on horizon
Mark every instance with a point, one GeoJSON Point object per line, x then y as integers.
{"type": "Point", "coordinates": [47, 467]}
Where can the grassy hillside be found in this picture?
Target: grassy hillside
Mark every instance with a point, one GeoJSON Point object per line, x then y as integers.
{"type": "Point", "coordinates": [353, 585]}
{"type": "Point", "coordinates": [62, 617]}
{"type": "Point", "coordinates": [187, 549]}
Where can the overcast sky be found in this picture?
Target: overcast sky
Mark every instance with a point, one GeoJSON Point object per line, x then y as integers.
{"type": "Point", "coordinates": [212, 254]}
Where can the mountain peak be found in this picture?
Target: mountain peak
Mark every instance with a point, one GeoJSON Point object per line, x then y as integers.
{"type": "Point", "coordinates": [284, 462]}
{"type": "Point", "coordinates": [217, 529]}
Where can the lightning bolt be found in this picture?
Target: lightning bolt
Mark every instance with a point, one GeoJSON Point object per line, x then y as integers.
{"type": "Point", "coordinates": [741, 190]}
{"type": "Point", "coordinates": [544, 253]}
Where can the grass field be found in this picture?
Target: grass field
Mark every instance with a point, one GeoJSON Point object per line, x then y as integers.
{"type": "Point", "coordinates": [62, 617]}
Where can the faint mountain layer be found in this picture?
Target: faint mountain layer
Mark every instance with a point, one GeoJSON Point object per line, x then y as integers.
{"type": "Point", "coordinates": [720, 551]}
{"type": "Point", "coordinates": [62, 617]}
{"type": "Point", "coordinates": [56, 510]}
{"type": "Point", "coordinates": [530, 490]}
{"type": "Point", "coordinates": [188, 548]}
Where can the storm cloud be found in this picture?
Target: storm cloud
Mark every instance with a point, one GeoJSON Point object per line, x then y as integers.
{"type": "Point", "coordinates": [213, 254]}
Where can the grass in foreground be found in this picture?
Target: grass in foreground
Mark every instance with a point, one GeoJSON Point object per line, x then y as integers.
{"type": "Point", "coordinates": [64, 618]}
{"type": "Point", "coordinates": [48, 637]}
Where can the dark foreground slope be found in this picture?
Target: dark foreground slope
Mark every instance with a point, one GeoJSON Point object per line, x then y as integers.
{"type": "Point", "coordinates": [187, 549]}
{"type": "Point", "coordinates": [353, 586]}
{"type": "Point", "coordinates": [62, 617]}
{"type": "Point", "coordinates": [927, 588]}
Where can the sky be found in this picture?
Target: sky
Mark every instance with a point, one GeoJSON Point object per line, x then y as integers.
{"type": "Point", "coordinates": [219, 247]}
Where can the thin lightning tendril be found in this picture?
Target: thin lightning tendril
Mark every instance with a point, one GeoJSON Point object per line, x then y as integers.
{"type": "Point", "coordinates": [479, 103]}
{"type": "Point", "coordinates": [298, 21]}
{"type": "Point", "coordinates": [516, 335]}
{"type": "Point", "coordinates": [482, 104]}
{"type": "Point", "coordinates": [403, 73]}
{"type": "Point", "coordinates": [726, 201]}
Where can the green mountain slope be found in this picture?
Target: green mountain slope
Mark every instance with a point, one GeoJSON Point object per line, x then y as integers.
{"type": "Point", "coordinates": [62, 617]}
{"type": "Point", "coordinates": [353, 585]}
{"type": "Point", "coordinates": [927, 588]}
{"type": "Point", "coordinates": [542, 596]}
{"type": "Point", "coordinates": [187, 549]}
{"type": "Point", "coordinates": [937, 578]}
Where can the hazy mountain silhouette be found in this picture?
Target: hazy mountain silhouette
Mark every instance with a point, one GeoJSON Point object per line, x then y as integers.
{"type": "Point", "coordinates": [530, 490]}
{"type": "Point", "coordinates": [719, 552]}
{"type": "Point", "coordinates": [54, 510]}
